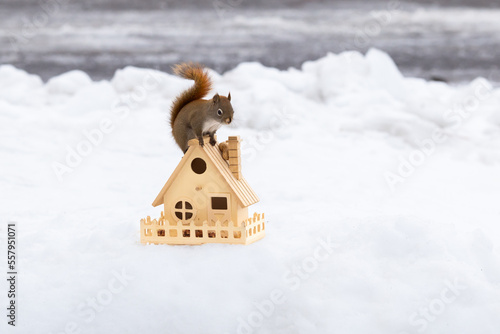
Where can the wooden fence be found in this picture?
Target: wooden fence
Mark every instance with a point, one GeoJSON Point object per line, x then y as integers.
{"type": "Point", "coordinates": [161, 231]}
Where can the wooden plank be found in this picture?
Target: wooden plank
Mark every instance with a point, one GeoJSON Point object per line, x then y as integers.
{"type": "Point", "coordinates": [234, 160]}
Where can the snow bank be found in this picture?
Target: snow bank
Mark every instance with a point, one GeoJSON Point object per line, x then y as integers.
{"type": "Point", "coordinates": [381, 194]}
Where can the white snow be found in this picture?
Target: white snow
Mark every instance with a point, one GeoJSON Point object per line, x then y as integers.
{"type": "Point", "coordinates": [400, 175]}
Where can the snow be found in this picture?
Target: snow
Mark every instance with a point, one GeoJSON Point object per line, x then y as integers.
{"type": "Point", "coordinates": [381, 197]}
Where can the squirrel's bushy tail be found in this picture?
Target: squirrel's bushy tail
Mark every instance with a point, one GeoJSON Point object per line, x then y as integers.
{"type": "Point", "coordinates": [202, 85]}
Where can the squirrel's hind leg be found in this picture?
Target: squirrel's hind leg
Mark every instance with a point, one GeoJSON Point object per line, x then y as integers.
{"type": "Point", "coordinates": [186, 136]}
{"type": "Point", "coordinates": [198, 133]}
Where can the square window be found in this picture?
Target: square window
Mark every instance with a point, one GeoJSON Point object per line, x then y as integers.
{"type": "Point", "coordinates": [219, 203]}
{"type": "Point", "coordinates": [148, 232]}
{"type": "Point", "coordinates": [161, 233]}
{"type": "Point", "coordinates": [224, 234]}
{"type": "Point", "coordinates": [172, 233]}
{"type": "Point", "coordinates": [186, 233]}
{"type": "Point", "coordinates": [199, 233]}
{"type": "Point", "coordinates": [211, 233]}
{"type": "Point", "coordinates": [237, 234]}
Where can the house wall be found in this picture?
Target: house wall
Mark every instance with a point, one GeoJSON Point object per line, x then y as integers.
{"type": "Point", "coordinates": [197, 189]}
{"type": "Point", "coordinates": [241, 213]}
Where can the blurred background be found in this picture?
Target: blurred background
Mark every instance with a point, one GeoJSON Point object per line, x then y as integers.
{"type": "Point", "coordinates": [447, 40]}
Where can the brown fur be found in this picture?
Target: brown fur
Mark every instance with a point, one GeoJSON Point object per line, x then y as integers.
{"type": "Point", "coordinates": [193, 117]}
{"type": "Point", "coordinates": [202, 85]}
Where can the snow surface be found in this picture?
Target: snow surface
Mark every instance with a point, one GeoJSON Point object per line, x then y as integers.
{"type": "Point", "coordinates": [381, 195]}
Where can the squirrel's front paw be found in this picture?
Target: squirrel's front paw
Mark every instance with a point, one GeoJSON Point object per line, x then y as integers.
{"type": "Point", "coordinates": [213, 141]}
{"type": "Point", "coordinates": [201, 142]}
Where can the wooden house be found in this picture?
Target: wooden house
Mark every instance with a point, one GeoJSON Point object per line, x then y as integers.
{"type": "Point", "coordinates": [206, 200]}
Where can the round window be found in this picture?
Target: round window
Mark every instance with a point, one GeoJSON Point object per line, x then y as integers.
{"type": "Point", "coordinates": [198, 165]}
{"type": "Point", "coordinates": [183, 210]}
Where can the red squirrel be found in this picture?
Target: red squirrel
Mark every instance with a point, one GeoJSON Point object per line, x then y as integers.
{"type": "Point", "coordinates": [193, 117]}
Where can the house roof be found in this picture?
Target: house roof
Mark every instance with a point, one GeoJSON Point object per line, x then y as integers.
{"type": "Point", "coordinates": [241, 188]}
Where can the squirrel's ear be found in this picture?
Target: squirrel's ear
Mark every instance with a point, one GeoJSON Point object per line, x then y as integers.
{"type": "Point", "coordinates": [216, 98]}
{"type": "Point", "coordinates": [229, 96]}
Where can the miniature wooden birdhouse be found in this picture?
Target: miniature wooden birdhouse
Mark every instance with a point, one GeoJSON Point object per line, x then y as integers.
{"type": "Point", "coordinates": [206, 200]}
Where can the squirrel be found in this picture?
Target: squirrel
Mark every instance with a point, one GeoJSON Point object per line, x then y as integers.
{"type": "Point", "coordinates": [193, 117]}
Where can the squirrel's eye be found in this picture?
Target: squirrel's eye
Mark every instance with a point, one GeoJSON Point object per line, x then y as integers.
{"type": "Point", "coordinates": [219, 112]}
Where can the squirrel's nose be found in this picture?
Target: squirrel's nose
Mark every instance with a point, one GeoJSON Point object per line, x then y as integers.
{"type": "Point", "coordinates": [228, 120]}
